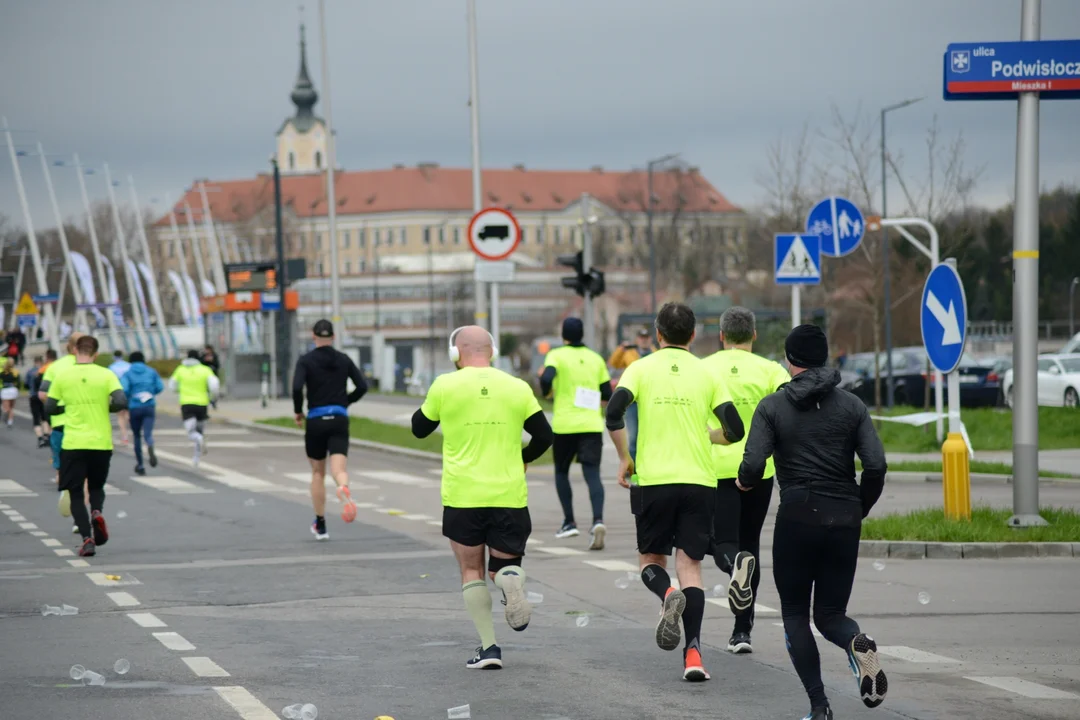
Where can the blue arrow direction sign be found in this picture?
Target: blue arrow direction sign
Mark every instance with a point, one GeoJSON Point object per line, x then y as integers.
{"type": "Point", "coordinates": [1002, 70]}
{"type": "Point", "coordinates": [944, 317]}
{"type": "Point", "coordinates": [797, 259]}
{"type": "Point", "coordinates": [839, 223]}
{"type": "Point", "coordinates": [26, 321]}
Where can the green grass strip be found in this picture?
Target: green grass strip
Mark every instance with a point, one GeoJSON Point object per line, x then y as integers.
{"type": "Point", "coordinates": [986, 525]}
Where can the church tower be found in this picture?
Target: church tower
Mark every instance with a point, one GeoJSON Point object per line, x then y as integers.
{"type": "Point", "coordinates": [301, 141]}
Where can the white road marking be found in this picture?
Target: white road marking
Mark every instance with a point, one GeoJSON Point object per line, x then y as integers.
{"type": "Point", "coordinates": [417, 516]}
{"type": "Point", "coordinates": [758, 607]}
{"type": "Point", "coordinates": [9, 513]}
{"type": "Point", "coordinates": [365, 505]}
{"type": "Point", "coordinates": [113, 490]}
{"type": "Point", "coordinates": [813, 629]}
{"type": "Point", "coordinates": [245, 703]}
{"type": "Point", "coordinates": [16, 518]}
{"type": "Point", "coordinates": [50, 542]}
{"type": "Point", "coordinates": [79, 562]}
{"type": "Point", "coordinates": [436, 523]}
{"type": "Point", "coordinates": [530, 541]}
{"type": "Point", "coordinates": [147, 620]}
{"type": "Point", "coordinates": [913, 655]}
{"type": "Point", "coordinates": [64, 552]}
{"type": "Point", "coordinates": [231, 478]}
{"type": "Point", "coordinates": [435, 471]}
{"type": "Point", "coordinates": [216, 431]}
{"type": "Point", "coordinates": [397, 478]}
{"type": "Point", "coordinates": [390, 511]}
{"type": "Point", "coordinates": [123, 599]}
{"type": "Point", "coordinates": [205, 667]}
{"type": "Point", "coordinates": [174, 641]}
{"type": "Point", "coordinates": [170, 485]}
{"type": "Point", "coordinates": [28, 526]}
{"type": "Point", "coordinates": [1025, 688]}
{"type": "Point", "coordinates": [4, 506]}
{"type": "Point", "coordinates": [101, 579]}
{"type": "Point", "coordinates": [39, 533]}
{"type": "Point", "coordinates": [10, 488]}
{"type": "Point", "coordinates": [237, 444]}
{"type": "Point", "coordinates": [563, 551]}
{"type": "Point", "coordinates": [613, 565]}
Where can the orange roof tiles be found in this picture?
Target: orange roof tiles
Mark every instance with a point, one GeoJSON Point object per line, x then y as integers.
{"type": "Point", "coordinates": [431, 188]}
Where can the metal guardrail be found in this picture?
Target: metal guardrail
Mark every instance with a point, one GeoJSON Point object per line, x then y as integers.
{"type": "Point", "coordinates": [1048, 330]}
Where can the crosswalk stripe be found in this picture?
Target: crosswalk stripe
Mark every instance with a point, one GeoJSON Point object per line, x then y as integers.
{"type": "Point", "coordinates": [812, 629]}
{"type": "Point", "coordinates": [9, 513]}
{"type": "Point", "coordinates": [170, 485]}
{"type": "Point", "coordinates": [28, 526]}
{"type": "Point", "coordinates": [39, 533]}
{"type": "Point", "coordinates": [613, 565]}
{"type": "Point", "coordinates": [205, 667]}
{"type": "Point", "coordinates": [10, 488]}
{"type": "Point", "coordinates": [123, 599]}
{"type": "Point", "coordinates": [1026, 688]}
{"type": "Point", "coordinates": [305, 478]}
{"type": "Point", "coordinates": [215, 433]}
{"type": "Point", "coordinates": [914, 655]}
{"type": "Point", "coordinates": [231, 478]}
{"type": "Point", "coordinates": [147, 620]}
{"type": "Point", "coordinates": [50, 542]}
{"type": "Point", "coordinates": [398, 478]}
{"type": "Point", "coordinates": [563, 551]}
{"type": "Point", "coordinates": [113, 490]}
{"type": "Point", "coordinates": [103, 580]}
{"type": "Point", "coordinates": [758, 607]}
{"type": "Point", "coordinates": [78, 562]}
{"type": "Point", "coordinates": [174, 641]}
{"type": "Point", "coordinates": [247, 705]}
{"type": "Point", "coordinates": [64, 552]}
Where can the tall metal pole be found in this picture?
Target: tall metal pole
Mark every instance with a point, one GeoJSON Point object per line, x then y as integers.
{"type": "Point", "coordinates": [69, 268]}
{"type": "Point", "coordinates": [99, 265]}
{"type": "Point", "coordinates": [480, 315]}
{"type": "Point", "coordinates": [890, 386]}
{"type": "Point", "coordinates": [282, 283]}
{"type": "Point", "coordinates": [200, 268]}
{"type": "Point", "coordinates": [1072, 309]}
{"type": "Point", "coordinates": [217, 265]}
{"type": "Point", "coordinates": [18, 288]}
{"type": "Point", "coordinates": [121, 240]}
{"type": "Point", "coordinates": [35, 252]}
{"type": "Point", "coordinates": [1026, 297]}
{"type": "Point", "coordinates": [155, 293]}
{"type": "Point", "coordinates": [431, 312]}
{"type": "Point", "coordinates": [181, 257]}
{"type": "Point", "coordinates": [649, 240]}
{"type": "Point", "coordinates": [586, 267]}
{"type": "Point", "coordinates": [335, 271]}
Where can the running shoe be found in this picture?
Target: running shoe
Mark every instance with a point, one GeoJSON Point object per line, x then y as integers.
{"type": "Point", "coordinates": [820, 713]}
{"type": "Point", "coordinates": [486, 659]}
{"type": "Point", "coordinates": [739, 644]}
{"type": "Point", "coordinates": [518, 609]}
{"type": "Point", "coordinates": [101, 531]}
{"type": "Point", "coordinates": [568, 530]}
{"type": "Point", "coordinates": [598, 533]}
{"type": "Point", "coordinates": [152, 455]}
{"type": "Point", "coordinates": [318, 529]}
{"type": "Point", "coordinates": [740, 593]}
{"type": "Point", "coordinates": [862, 656]}
{"type": "Point", "coordinates": [64, 504]}
{"type": "Point", "coordinates": [669, 629]}
{"type": "Point", "coordinates": [74, 529]}
{"type": "Point", "coordinates": [693, 670]}
{"type": "Point", "coordinates": [140, 470]}
{"type": "Point", "coordinates": [87, 549]}
{"type": "Point", "coordinates": [348, 507]}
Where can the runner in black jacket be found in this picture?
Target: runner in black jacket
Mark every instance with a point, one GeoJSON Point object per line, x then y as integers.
{"type": "Point", "coordinates": [814, 430]}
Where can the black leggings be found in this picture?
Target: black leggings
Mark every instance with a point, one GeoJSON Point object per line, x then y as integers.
{"type": "Point", "coordinates": [823, 559]}
{"type": "Point", "coordinates": [93, 466]}
{"type": "Point", "coordinates": [737, 522]}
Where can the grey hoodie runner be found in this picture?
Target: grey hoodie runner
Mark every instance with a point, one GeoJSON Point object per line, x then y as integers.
{"type": "Point", "coordinates": [814, 430]}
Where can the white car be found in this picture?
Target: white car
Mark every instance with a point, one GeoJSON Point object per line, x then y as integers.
{"type": "Point", "coordinates": [1058, 383]}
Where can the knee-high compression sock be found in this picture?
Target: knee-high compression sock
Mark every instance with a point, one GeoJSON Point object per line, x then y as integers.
{"type": "Point", "coordinates": [190, 426]}
{"type": "Point", "coordinates": [478, 603]}
{"type": "Point", "coordinates": [692, 616]}
{"type": "Point", "coordinates": [656, 579]}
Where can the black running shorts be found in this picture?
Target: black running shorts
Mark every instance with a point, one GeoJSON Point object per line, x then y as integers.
{"type": "Point", "coordinates": [37, 410]}
{"type": "Point", "coordinates": [503, 529]}
{"type": "Point", "coordinates": [327, 435]}
{"type": "Point", "coordinates": [79, 465]}
{"type": "Point", "coordinates": [586, 447]}
{"type": "Point", "coordinates": [678, 515]}
{"type": "Point", "coordinates": [196, 412]}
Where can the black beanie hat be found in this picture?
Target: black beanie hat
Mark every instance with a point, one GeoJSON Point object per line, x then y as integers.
{"type": "Point", "coordinates": [573, 329]}
{"type": "Point", "coordinates": [807, 347]}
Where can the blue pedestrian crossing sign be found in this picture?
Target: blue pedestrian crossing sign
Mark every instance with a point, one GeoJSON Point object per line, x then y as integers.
{"type": "Point", "coordinates": [944, 317]}
{"type": "Point", "coordinates": [839, 223]}
{"type": "Point", "coordinates": [797, 259]}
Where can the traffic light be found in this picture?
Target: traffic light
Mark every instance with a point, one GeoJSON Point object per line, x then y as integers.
{"type": "Point", "coordinates": [582, 282]}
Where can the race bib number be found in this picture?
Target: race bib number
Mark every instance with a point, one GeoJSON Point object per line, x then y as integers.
{"type": "Point", "coordinates": [587, 399]}
{"type": "Point", "coordinates": [144, 397]}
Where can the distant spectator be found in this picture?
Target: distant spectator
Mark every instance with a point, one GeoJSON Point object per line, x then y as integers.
{"type": "Point", "coordinates": [119, 365]}
{"type": "Point", "coordinates": [210, 359]}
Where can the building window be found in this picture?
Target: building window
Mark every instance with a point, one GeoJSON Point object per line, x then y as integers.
{"type": "Point", "coordinates": [360, 237]}
{"type": "Point", "coordinates": [363, 266]}
{"type": "Point", "coordinates": [303, 241]}
{"type": "Point", "coordinates": [401, 239]}
{"type": "Point", "coordinates": [348, 267]}
{"type": "Point", "coordinates": [540, 235]}
{"type": "Point", "coordinates": [427, 236]}
{"type": "Point", "coordinates": [618, 236]}
{"type": "Point", "coordinates": [574, 236]}
{"type": "Point", "coordinates": [558, 235]}
{"type": "Point", "coordinates": [345, 239]}
{"type": "Point", "coordinates": [375, 237]}
{"type": "Point", "coordinates": [292, 160]}
{"type": "Point", "coordinates": [318, 159]}
{"type": "Point", "coordinates": [442, 235]}
{"type": "Point", "coordinates": [318, 241]}
{"type": "Point", "coordinates": [172, 250]}
{"type": "Point", "coordinates": [457, 236]}
{"type": "Point", "coordinates": [320, 269]}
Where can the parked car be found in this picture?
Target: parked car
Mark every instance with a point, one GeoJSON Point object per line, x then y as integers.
{"type": "Point", "coordinates": [912, 373]}
{"type": "Point", "coordinates": [998, 367]}
{"type": "Point", "coordinates": [1058, 381]}
{"type": "Point", "coordinates": [980, 386]}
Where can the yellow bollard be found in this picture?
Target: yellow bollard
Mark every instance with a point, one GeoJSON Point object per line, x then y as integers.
{"type": "Point", "coordinates": [956, 477]}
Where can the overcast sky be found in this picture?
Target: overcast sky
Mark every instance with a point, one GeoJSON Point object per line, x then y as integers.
{"type": "Point", "coordinates": [171, 91]}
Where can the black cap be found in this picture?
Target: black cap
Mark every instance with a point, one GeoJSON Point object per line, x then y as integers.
{"type": "Point", "coordinates": [193, 354]}
{"type": "Point", "coordinates": [323, 329]}
{"type": "Point", "coordinates": [573, 329]}
{"type": "Point", "coordinates": [807, 347]}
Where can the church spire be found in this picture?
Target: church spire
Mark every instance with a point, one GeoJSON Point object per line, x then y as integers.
{"type": "Point", "coordinates": [303, 94]}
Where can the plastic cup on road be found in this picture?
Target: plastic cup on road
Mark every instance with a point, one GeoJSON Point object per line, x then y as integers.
{"type": "Point", "coordinates": [77, 672]}
{"type": "Point", "coordinates": [292, 712]}
{"type": "Point", "coordinates": [461, 712]}
{"type": "Point", "coordinates": [582, 620]}
{"type": "Point", "coordinates": [924, 598]}
{"type": "Point", "coordinates": [69, 610]}
{"type": "Point", "coordinates": [93, 678]}
{"type": "Point", "coordinates": [622, 583]}
{"type": "Point", "coordinates": [47, 610]}
{"type": "Point", "coordinates": [309, 712]}
{"type": "Point", "coordinates": [122, 666]}
{"type": "Point", "coordinates": [534, 598]}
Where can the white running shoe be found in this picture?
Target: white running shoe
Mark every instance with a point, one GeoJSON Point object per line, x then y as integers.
{"type": "Point", "coordinates": [598, 533]}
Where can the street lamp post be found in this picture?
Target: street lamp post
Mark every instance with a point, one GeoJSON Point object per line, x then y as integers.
{"type": "Point", "coordinates": [649, 228]}
{"type": "Point", "coordinates": [890, 385]}
{"type": "Point", "coordinates": [1072, 316]}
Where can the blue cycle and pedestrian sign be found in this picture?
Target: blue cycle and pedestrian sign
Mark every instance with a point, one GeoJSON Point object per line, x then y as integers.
{"type": "Point", "coordinates": [797, 259]}
{"type": "Point", "coordinates": [944, 317]}
{"type": "Point", "coordinates": [1002, 70]}
{"type": "Point", "coordinates": [839, 223]}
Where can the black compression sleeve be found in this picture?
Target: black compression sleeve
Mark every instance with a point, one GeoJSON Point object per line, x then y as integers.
{"type": "Point", "coordinates": [422, 426]}
{"type": "Point", "coordinates": [299, 378]}
{"type": "Point", "coordinates": [358, 380]}
{"type": "Point", "coordinates": [605, 391]}
{"type": "Point", "coordinates": [616, 408]}
{"type": "Point", "coordinates": [540, 437]}
{"type": "Point", "coordinates": [118, 401]}
{"type": "Point", "coordinates": [52, 407]}
{"type": "Point", "coordinates": [546, 379]}
{"type": "Point", "coordinates": [730, 421]}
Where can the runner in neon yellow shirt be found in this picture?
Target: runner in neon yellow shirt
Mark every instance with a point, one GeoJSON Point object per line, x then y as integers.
{"type": "Point", "coordinates": [739, 516]}
{"type": "Point", "coordinates": [56, 436]}
{"type": "Point", "coordinates": [196, 385]}
{"type": "Point", "coordinates": [674, 484]}
{"type": "Point", "coordinates": [578, 381]}
{"type": "Point", "coordinates": [483, 412]}
{"type": "Point", "coordinates": [87, 394]}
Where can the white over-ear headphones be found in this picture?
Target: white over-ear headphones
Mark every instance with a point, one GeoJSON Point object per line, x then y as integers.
{"type": "Point", "coordinates": [455, 354]}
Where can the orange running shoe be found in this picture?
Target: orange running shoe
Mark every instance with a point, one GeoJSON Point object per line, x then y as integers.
{"type": "Point", "coordinates": [693, 671]}
{"type": "Point", "coordinates": [348, 507]}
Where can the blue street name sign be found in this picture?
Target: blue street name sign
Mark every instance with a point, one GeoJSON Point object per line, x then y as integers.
{"type": "Point", "coordinates": [944, 317]}
{"type": "Point", "coordinates": [839, 223]}
{"type": "Point", "coordinates": [797, 259]}
{"type": "Point", "coordinates": [1002, 70]}
{"type": "Point", "coordinates": [50, 298]}
{"type": "Point", "coordinates": [26, 321]}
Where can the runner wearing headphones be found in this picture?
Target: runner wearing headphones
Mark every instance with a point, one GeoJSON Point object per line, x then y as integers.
{"type": "Point", "coordinates": [483, 412]}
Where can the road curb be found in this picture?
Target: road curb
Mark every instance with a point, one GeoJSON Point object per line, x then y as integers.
{"type": "Point", "coordinates": [917, 477]}
{"type": "Point", "coordinates": [917, 550]}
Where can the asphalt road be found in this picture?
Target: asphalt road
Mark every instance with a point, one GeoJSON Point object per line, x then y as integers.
{"type": "Point", "coordinates": [227, 608]}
